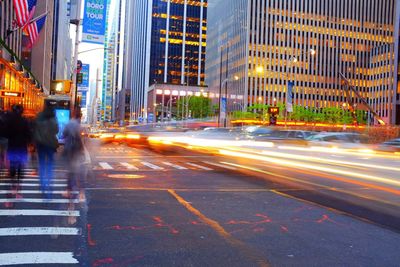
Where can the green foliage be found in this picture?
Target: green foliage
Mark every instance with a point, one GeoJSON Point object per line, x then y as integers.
{"type": "Point", "coordinates": [332, 115]}
{"type": "Point", "coordinates": [199, 106]}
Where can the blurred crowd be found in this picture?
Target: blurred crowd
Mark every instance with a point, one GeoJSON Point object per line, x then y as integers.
{"type": "Point", "coordinates": [34, 141]}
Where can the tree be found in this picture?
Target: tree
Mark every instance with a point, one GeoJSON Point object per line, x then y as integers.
{"type": "Point", "coordinates": [198, 106]}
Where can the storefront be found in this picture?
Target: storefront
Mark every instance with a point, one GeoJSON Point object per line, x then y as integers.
{"type": "Point", "coordinates": [18, 85]}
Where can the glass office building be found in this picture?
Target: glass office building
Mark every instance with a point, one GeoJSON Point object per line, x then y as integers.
{"type": "Point", "coordinates": [256, 47]}
{"type": "Point", "coordinates": [165, 44]}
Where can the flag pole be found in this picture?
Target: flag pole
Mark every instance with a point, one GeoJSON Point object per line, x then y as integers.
{"type": "Point", "coordinates": [11, 31]}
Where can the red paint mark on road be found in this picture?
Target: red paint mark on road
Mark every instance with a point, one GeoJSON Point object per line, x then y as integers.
{"type": "Point", "coordinates": [266, 218]}
{"type": "Point", "coordinates": [113, 263]}
{"type": "Point", "coordinates": [101, 262]}
{"type": "Point", "coordinates": [159, 223]}
{"type": "Point", "coordinates": [284, 229]}
{"type": "Point", "coordinates": [325, 218]}
{"type": "Point", "coordinates": [259, 230]}
{"type": "Point", "coordinates": [90, 241]}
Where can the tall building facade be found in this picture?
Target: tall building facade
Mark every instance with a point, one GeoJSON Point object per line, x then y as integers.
{"type": "Point", "coordinates": [39, 58]}
{"type": "Point", "coordinates": [165, 44]}
{"type": "Point", "coordinates": [257, 47]}
{"type": "Point", "coordinates": [61, 60]}
{"type": "Point", "coordinates": [113, 60]}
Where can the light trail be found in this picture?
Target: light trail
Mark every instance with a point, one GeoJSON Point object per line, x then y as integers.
{"type": "Point", "coordinates": [388, 181]}
{"type": "Point", "coordinates": [336, 150]}
{"type": "Point", "coordinates": [319, 159]}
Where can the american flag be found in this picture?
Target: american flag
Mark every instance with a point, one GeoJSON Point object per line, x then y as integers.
{"type": "Point", "coordinates": [24, 10]}
{"type": "Point", "coordinates": [34, 28]}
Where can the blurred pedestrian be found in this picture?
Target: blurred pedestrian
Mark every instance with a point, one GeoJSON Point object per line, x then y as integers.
{"type": "Point", "coordinates": [3, 141]}
{"type": "Point", "coordinates": [45, 135]}
{"type": "Point", "coordinates": [18, 134]}
{"type": "Point", "coordinates": [73, 155]}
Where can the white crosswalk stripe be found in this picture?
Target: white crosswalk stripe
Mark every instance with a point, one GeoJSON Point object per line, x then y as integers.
{"type": "Point", "coordinates": [37, 258]}
{"type": "Point", "coordinates": [32, 207]}
{"type": "Point", "coordinates": [174, 166]}
{"type": "Point", "coordinates": [60, 192]}
{"type": "Point", "coordinates": [199, 166]}
{"type": "Point", "coordinates": [220, 165]}
{"type": "Point", "coordinates": [28, 231]}
{"type": "Point", "coordinates": [152, 166]}
{"type": "Point", "coordinates": [129, 166]}
{"type": "Point", "coordinates": [38, 200]}
{"type": "Point", "coordinates": [39, 212]}
{"type": "Point", "coordinates": [32, 184]}
{"type": "Point", "coordinates": [105, 166]}
{"type": "Point", "coordinates": [35, 180]}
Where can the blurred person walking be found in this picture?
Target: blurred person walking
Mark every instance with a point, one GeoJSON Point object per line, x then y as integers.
{"type": "Point", "coordinates": [18, 134]}
{"type": "Point", "coordinates": [73, 155]}
{"type": "Point", "coordinates": [45, 136]}
{"type": "Point", "coordinates": [3, 141]}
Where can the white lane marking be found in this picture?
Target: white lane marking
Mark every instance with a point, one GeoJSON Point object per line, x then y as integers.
{"type": "Point", "coordinates": [199, 166]}
{"type": "Point", "coordinates": [38, 200]}
{"type": "Point", "coordinates": [37, 258]}
{"type": "Point", "coordinates": [63, 213]}
{"type": "Point", "coordinates": [36, 192]}
{"type": "Point", "coordinates": [220, 165]}
{"type": "Point", "coordinates": [32, 184]}
{"type": "Point", "coordinates": [174, 165]}
{"type": "Point", "coordinates": [105, 166]}
{"type": "Point", "coordinates": [25, 231]}
{"type": "Point", "coordinates": [152, 166]}
{"type": "Point", "coordinates": [129, 166]}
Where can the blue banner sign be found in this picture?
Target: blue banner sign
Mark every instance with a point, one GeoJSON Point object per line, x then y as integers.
{"type": "Point", "coordinates": [223, 107]}
{"type": "Point", "coordinates": [84, 99]}
{"type": "Point", "coordinates": [94, 21]}
{"type": "Point", "coordinates": [289, 97]}
{"type": "Point", "coordinates": [150, 117]}
{"type": "Point", "coordinates": [84, 86]}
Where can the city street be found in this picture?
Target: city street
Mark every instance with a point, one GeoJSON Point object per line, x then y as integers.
{"type": "Point", "coordinates": [150, 209]}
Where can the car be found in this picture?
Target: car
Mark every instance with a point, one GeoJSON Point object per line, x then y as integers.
{"type": "Point", "coordinates": [338, 139]}
{"type": "Point", "coordinates": [390, 146]}
{"type": "Point", "coordinates": [257, 133]}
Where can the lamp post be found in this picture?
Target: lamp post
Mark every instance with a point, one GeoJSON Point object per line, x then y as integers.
{"type": "Point", "coordinates": [98, 80]}
{"type": "Point", "coordinates": [293, 60]}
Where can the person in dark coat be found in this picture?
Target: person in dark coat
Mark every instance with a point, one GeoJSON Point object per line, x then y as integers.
{"type": "Point", "coordinates": [45, 136]}
{"type": "Point", "coordinates": [18, 134]}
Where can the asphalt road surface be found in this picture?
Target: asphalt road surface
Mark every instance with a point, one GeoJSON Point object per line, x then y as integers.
{"type": "Point", "coordinates": [144, 208]}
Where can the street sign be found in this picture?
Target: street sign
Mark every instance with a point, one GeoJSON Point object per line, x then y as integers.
{"type": "Point", "coordinates": [289, 97]}
{"type": "Point", "coordinates": [11, 94]}
{"type": "Point", "coordinates": [150, 117]}
{"type": "Point", "coordinates": [94, 21]}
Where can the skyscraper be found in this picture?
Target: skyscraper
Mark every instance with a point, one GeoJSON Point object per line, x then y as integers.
{"type": "Point", "coordinates": [256, 48]}
{"type": "Point", "coordinates": [62, 43]}
{"type": "Point", "coordinates": [165, 44]}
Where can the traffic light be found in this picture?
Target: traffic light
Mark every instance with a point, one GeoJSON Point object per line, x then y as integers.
{"type": "Point", "coordinates": [79, 78]}
{"type": "Point", "coordinates": [60, 86]}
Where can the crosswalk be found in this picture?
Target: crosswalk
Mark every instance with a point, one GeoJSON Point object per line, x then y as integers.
{"type": "Point", "coordinates": [159, 166]}
{"type": "Point", "coordinates": [35, 230]}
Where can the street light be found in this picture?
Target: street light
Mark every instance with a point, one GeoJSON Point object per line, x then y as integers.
{"type": "Point", "coordinates": [294, 59]}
